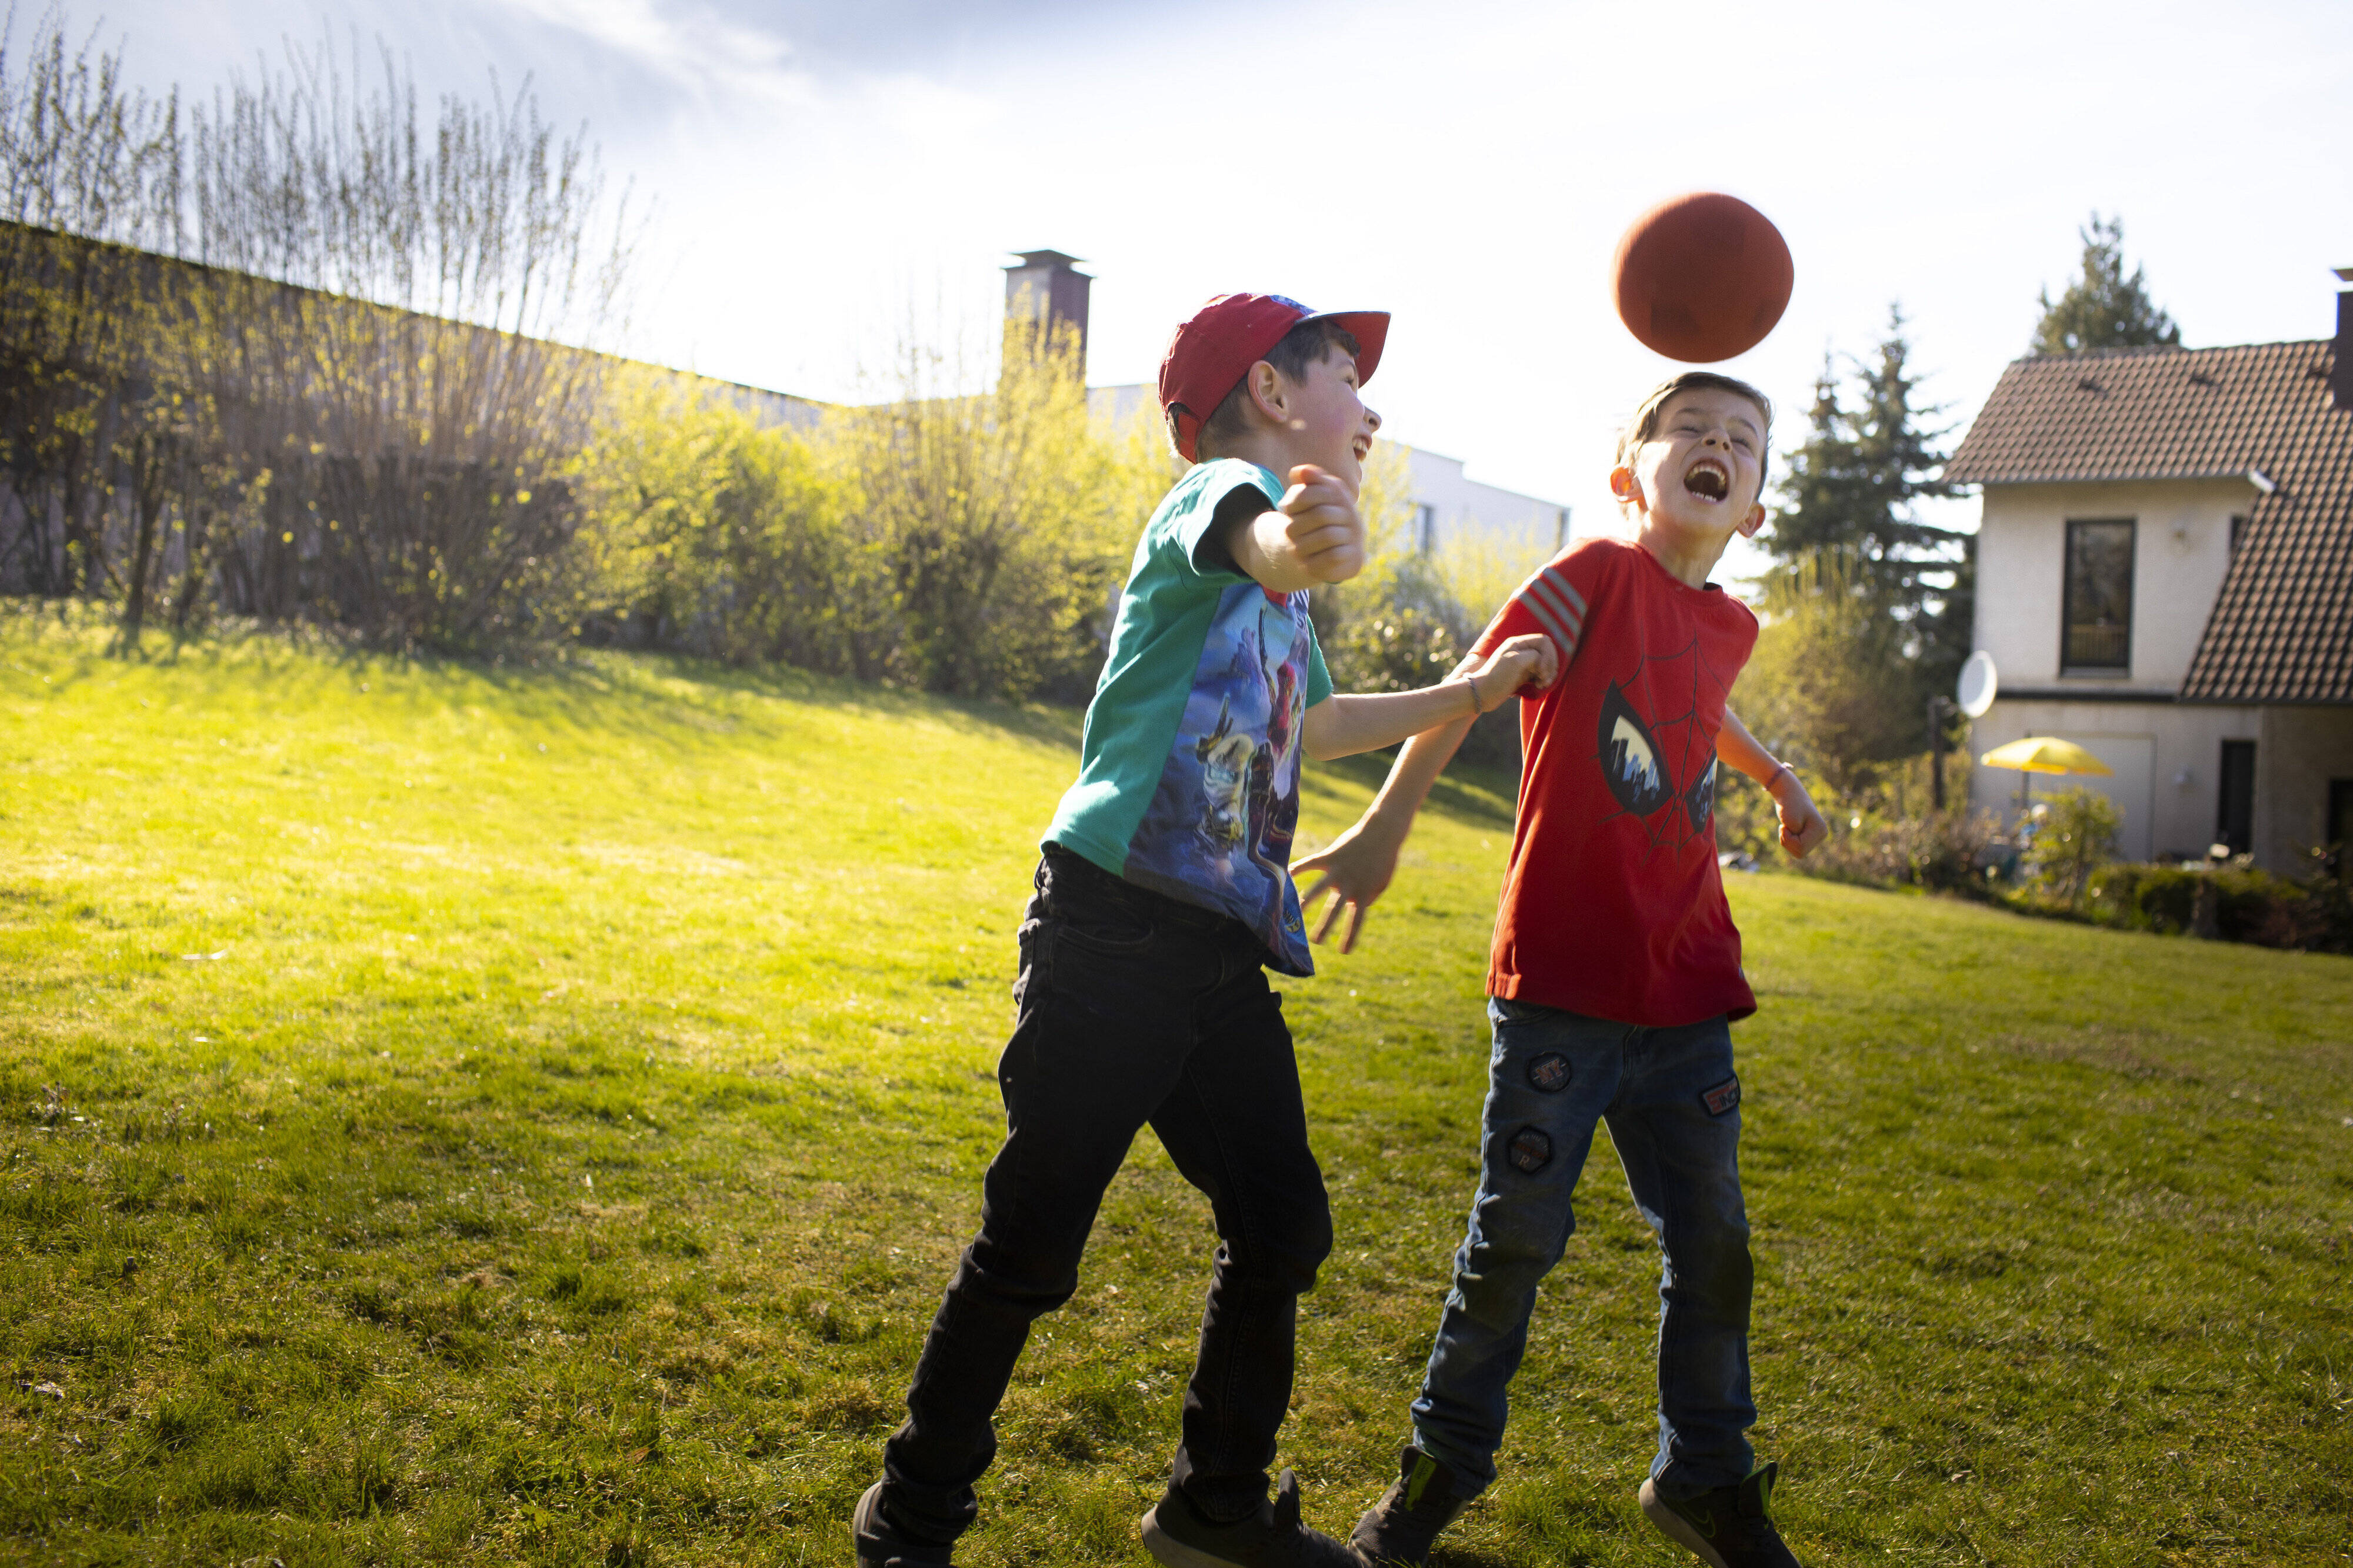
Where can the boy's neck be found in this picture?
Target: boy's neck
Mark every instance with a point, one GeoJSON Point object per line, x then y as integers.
{"type": "Point", "coordinates": [1688, 556]}
{"type": "Point", "coordinates": [1267, 449]}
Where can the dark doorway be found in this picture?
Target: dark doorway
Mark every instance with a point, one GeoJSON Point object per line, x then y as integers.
{"type": "Point", "coordinates": [2340, 827]}
{"type": "Point", "coordinates": [2234, 821]}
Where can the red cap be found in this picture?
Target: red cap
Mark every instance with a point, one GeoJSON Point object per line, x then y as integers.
{"type": "Point", "coordinates": [1209, 354]}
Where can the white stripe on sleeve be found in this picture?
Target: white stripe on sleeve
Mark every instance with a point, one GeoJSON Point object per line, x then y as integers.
{"type": "Point", "coordinates": [1560, 579]}
{"type": "Point", "coordinates": [1564, 625]}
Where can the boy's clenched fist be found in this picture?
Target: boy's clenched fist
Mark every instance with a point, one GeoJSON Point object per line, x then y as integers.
{"type": "Point", "coordinates": [1321, 526]}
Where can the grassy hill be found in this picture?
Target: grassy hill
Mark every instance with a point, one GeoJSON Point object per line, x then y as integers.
{"type": "Point", "coordinates": [488, 1114]}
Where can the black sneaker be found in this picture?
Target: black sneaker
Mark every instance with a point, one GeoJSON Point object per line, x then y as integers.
{"type": "Point", "coordinates": [881, 1544]}
{"type": "Point", "coordinates": [1271, 1538]}
{"type": "Point", "coordinates": [1727, 1528]}
{"type": "Point", "coordinates": [1418, 1504]}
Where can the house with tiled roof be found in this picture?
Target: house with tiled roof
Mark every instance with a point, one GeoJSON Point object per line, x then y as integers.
{"type": "Point", "coordinates": [2165, 576]}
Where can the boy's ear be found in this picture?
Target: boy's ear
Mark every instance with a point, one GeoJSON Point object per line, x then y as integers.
{"type": "Point", "coordinates": [1268, 392]}
{"type": "Point", "coordinates": [1752, 522]}
{"type": "Point", "coordinates": [1628, 489]}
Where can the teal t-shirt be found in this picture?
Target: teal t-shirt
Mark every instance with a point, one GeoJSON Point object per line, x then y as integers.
{"type": "Point", "coordinates": [1189, 776]}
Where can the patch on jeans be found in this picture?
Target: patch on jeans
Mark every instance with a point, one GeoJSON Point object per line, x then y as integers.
{"type": "Point", "coordinates": [1549, 1073]}
{"type": "Point", "coordinates": [1722, 1098]}
{"type": "Point", "coordinates": [1530, 1149]}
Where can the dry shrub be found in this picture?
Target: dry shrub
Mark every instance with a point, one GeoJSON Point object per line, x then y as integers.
{"type": "Point", "coordinates": [297, 354]}
{"type": "Point", "coordinates": [1943, 852]}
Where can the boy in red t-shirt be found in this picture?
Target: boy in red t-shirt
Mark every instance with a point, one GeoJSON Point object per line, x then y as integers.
{"type": "Point", "coordinates": [1615, 971]}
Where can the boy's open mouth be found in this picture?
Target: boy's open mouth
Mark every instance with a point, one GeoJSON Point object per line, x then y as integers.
{"type": "Point", "coordinates": [1362, 446]}
{"type": "Point", "coordinates": [1708, 480]}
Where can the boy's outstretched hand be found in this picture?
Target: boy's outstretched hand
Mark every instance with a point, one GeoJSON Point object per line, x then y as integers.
{"type": "Point", "coordinates": [1356, 870]}
{"type": "Point", "coordinates": [1526, 663]}
{"type": "Point", "coordinates": [1802, 827]}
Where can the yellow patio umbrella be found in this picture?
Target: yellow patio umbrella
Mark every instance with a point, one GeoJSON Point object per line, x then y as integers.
{"type": "Point", "coordinates": [2046, 754]}
{"type": "Point", "coordinates": [2043, 755]}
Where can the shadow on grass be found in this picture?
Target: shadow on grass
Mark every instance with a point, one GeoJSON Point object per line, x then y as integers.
{"type": "Point", "coordinates": [1475, 793]}
{"type": "Point", "coordinates": [635, 693]}
{"type": "Point", "coordinates": [656, 695]}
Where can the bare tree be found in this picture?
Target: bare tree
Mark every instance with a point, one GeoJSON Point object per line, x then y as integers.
{"type": "Point", "coordinates": [398, 328]}
{"type": "Point", "coordinates": [89, 177]}
{"type": "Point", "coordinates": [316, 352]}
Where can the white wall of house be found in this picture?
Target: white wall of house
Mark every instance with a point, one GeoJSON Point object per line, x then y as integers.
{"type": "Point", "coordinates": [2300, 751]}
{"type": "Point", "coordinates": [1452, 509]}
{"type": "Point", "coordinates": [1118, 405]}
{"type": "Point", "coordinates": [2168, 763]}
{"type": "Point", "coordinates": [2167, 755]}
{"type": "Point", "coordinates": [2181, 549]}
{"type": "Point", "coordinates": [769, 410]}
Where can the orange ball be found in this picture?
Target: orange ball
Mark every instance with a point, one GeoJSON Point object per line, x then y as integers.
{"type": "Point", "coordinates": [1702, 277]}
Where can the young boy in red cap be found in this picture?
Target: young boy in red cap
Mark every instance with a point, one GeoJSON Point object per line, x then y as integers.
{"type": "Point", "coordinates": [1164, 892]}
{"type": "Point", "coordinates": [1615, 976]}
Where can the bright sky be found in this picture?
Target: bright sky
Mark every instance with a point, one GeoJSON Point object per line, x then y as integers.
{"type": "Point", "coordinates": [820, 165]}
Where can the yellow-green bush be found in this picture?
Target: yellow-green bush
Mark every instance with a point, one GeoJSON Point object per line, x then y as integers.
{"type": "Point", "coordinates": [713, 535]}
{"type": "Point", "coordinates": [1001, 520]}
{"type": "Point", "coordinates": [2075, 835]}
{"type": "Point", "coordinates": [956, 542]}
{"type": "Point", "coordinates": [1817, 688]}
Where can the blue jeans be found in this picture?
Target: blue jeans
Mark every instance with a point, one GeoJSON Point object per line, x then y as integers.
{"type": "Point", "coordinates": [1674, 1108]}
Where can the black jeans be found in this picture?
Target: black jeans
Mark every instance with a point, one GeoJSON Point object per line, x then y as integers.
{"type": "Point", "coordinates": [1134, 1008]}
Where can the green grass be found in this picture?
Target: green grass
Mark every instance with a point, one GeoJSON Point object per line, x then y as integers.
{"type": "Point", "coordinates": [563, 1152]}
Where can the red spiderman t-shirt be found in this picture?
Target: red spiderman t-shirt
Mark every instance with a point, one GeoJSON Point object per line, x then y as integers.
{"type": "Point", "coordinates": [1612, 906]}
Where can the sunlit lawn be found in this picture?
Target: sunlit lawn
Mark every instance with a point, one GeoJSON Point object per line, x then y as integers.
{"type": "Point", "coordinates": [458, 1113]}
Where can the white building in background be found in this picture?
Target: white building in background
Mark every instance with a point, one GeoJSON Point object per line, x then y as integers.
{"type": "Point", "coordinates": [2165, 576]}
{"type": "Point", "coordinates": [1448, 509]}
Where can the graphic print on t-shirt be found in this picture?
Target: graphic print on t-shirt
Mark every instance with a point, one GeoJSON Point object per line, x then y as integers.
{"type": "Point", "coordinates": [1658, 763]}
{"type": "Point", "coordinates": [1223, 818]}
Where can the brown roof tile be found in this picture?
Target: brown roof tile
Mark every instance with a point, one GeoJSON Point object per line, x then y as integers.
{"type": "Point", "coordinates": [2281, 627]}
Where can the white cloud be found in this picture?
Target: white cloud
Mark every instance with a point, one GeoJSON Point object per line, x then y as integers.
{"type": "Point", "coordinates": [819, 162]}
{"type": "Point", "coordinates": [709, 56]}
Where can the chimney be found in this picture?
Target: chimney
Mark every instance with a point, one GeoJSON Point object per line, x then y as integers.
{"type": "Point", "coordinates": [1044, 295]}
{"type": "Point", "coordinates": [2340, 369]}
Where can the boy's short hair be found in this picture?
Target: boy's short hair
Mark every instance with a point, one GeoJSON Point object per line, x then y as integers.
{"type": "Point", "coordinates": [1644, 424]}
{"type": "Point", "coordinates": [1303, 345]}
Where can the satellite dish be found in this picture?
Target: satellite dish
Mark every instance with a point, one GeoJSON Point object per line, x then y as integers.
{"type": "Point", "coordinates": [1980, 684]}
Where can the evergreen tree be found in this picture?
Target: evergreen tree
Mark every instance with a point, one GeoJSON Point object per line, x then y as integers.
{"type": "Point", "coordinates": [2103, 309]}
{"type": "Point", "coordinates": [1851, 489]}
{"type": "Point", "coordinates": [1848, 524]}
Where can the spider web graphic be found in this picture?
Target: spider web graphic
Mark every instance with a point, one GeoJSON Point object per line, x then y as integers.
{"type": "Point", "coordinates": [1665, 692]}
